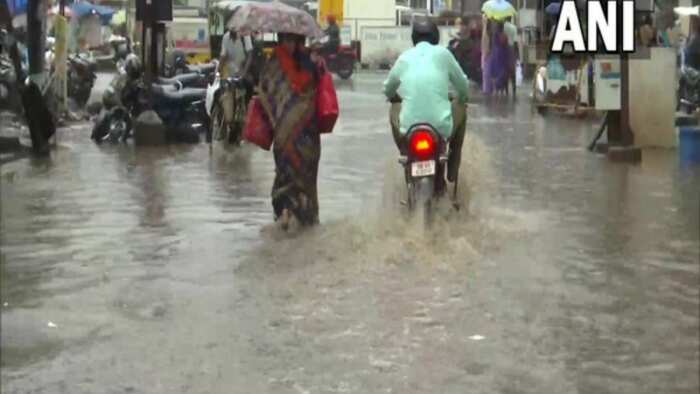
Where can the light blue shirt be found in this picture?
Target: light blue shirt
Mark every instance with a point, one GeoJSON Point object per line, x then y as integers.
{"type": "Point", "coordinates": [421, 76]}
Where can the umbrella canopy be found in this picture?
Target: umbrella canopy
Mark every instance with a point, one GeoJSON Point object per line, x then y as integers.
{"type": "Point", "coordinates": [273, 17]}
{"type": "Point", "coordinates": [84, 8]}
{"type": "Point", "coordinates": [17, 7]}
{"type": "Point", "coordinates": [231, 5]}
{"type": "Point", "coordinates": [119, 18]}
{"type": "Point", "coordinates": [553, 9]}
{"type": "Point", "coordinates": [498, 9]}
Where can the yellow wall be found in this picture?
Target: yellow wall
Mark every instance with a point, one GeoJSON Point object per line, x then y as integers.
{"type": "Point", "coordinates": [330, 7]}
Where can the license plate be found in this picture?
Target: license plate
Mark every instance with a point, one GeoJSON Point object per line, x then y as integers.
{"type": "Point", "coordinates": [423, 168]}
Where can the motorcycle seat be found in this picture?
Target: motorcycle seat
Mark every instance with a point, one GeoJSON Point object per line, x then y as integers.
{"type": "Point", "coordinates": [204, 68]}
{"type": "Point", "coordinates": [184, 79]}
{"type": "Point", "coordinates": [183, 95]}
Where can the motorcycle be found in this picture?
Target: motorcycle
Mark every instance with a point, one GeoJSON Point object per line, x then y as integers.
{"type": "Point", "coordinates": [188, 80]}
{"type": "Point", "coordinates": [8, 84]}
{"type": "Point", "coordinates": [226, 106]}
{"type": "Point", "coordinates": [81, 77]}
{"type": "Point", "coordinates": [689, 89]}
{"type": "Point", "coordinates": [120, 47]}
{"type": "Point", "coordinates": [425, 168]}
{"type": "Point", "coordinates": [181, 110]}
{"type": "Point", "coordinates": [342, 62]}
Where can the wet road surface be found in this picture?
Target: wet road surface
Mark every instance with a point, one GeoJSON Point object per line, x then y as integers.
{"type": "Point", "coordinates": [156, 270]}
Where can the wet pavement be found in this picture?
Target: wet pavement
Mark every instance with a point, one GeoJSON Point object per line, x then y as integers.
{"type": "Point", "coordinates": [156, 270]}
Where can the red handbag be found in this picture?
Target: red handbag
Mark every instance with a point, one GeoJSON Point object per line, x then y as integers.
{"type": "Point", "coordinates": [326, 103]}
{"type": "Point", "coordinates": [257, 127]}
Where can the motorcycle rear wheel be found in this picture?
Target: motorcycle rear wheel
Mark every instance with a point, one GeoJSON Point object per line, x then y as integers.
{"type": "Point", "coordinates": [421, 198]}
{"type": "Point", "coordinates": [345, 70]}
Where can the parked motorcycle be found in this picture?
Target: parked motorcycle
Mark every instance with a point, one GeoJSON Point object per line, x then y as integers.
{"type": "Point", "coordinates": [181, 110]}
{"type": "Point", "coordinates": [188, 80]}
{"type": "Point", "coordinates": [342, 62]}
{"type": "Point", "coordinates": [425, 168]}
{"type": "Point", "coordinates": [8, 86]}
{"type": "Point", "coordinates": [120, 48]}
{"type": "Point", "coordinates": [226, 105]}
{"type": "Point", "coordinates": [689, 89]}
{"type": "Point", "coordinates": [81, 77]}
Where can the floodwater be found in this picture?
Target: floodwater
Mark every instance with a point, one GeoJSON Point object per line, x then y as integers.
{"type": "Point", "coordinates": [156, 270]}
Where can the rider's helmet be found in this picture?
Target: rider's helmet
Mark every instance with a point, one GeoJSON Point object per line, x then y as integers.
{"type": "Point", "coordinates": [425, 30]}
{"type": "Point", "coordinates": [330, 19]}
{"type": "Point", "coordinates": [133, 67]}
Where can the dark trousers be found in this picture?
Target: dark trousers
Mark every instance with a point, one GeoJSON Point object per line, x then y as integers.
{"type": "Point", "coordinates": [459, 120]}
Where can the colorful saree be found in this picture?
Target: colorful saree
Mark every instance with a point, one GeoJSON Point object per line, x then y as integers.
{"type": "Point", "coordinates": [289, 101]}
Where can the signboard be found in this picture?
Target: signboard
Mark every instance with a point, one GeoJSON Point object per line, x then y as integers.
{"type": "Point", "coordinates": [383, 45]}
{"type": "Point", "coordinates": [190, 35]}
{"type": "Point", "coordinates": [345, 35]}
{"type": "Point", "coordinates": [608, 83]}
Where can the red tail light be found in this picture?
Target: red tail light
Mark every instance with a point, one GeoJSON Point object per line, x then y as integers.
{"type": "Point", "coordinates": [423, 144]}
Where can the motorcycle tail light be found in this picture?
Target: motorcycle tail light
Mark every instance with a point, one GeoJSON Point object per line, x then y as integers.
{"type": "Point", "coordinates": [423, 144]}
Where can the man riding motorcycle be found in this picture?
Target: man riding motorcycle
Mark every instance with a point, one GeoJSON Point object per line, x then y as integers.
{"type": "Point", "coordinates": [421, 77]}
{"type": "Point", "coordinates": [333, 33]}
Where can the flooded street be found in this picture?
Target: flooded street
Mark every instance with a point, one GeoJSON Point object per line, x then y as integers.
{"type": "Point", "coordinates": [157, 270]}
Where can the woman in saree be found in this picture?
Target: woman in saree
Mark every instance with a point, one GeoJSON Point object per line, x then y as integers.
{"type": "Point", "coordinates": [497, 59]}
{"type": "Point", "coordinates": [287, 92]}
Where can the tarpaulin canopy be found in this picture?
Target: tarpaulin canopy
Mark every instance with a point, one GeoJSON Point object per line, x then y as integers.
{"type": "Point", "coordinates": [84, 8]}
{"type": "Point", "coordinates": [17, 7]}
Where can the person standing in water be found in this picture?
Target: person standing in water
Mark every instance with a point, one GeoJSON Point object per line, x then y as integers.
{"type": "Point", "coordinates": [287, 92]}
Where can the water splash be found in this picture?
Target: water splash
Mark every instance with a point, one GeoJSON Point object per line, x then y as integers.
{"type": "Point", "coordinates": [387, 234]}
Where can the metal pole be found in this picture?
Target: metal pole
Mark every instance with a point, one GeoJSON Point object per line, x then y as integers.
{"type": "Point", "coordinates": [627, 137]}
{"type": "Point", "coordinates": [147, 48]}
{"type": "Point", "coordinates": [36, 37]}
{"type": "Point", "coordinates": [62, 7]}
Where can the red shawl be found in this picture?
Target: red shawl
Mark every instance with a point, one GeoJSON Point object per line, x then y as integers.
{"type": "Point", "coordinates": [298, 78]}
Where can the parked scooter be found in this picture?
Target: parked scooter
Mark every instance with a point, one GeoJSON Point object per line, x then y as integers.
{"type": "Point", "coordinates": [181, 110]}
{"type": "Point", "coordinates": [120, 48]}
{"type": "Point", "coordinates": [82, 73]}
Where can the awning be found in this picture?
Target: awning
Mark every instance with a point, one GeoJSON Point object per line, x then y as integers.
{"type": "Point", "coordinates": [17, 7]}
{"type": "Point", "coordinates": [84, 8]}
